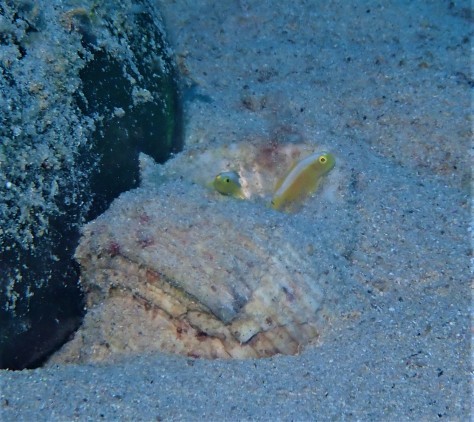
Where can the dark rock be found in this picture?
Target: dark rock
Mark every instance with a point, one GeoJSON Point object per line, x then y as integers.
{"type": "Point", "coordinates": [82, 92]}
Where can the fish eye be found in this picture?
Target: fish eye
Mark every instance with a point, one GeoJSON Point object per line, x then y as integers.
{"type": "Point", "coordinates": [227, 180]}
{"type": "Point", "coordinates": [322, 159]}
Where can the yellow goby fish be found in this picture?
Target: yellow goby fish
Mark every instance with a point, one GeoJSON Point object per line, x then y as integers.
{"type": "Point", "coordinates": [302, 179]}
{"type": "Point", "coordinates": [228, 183]}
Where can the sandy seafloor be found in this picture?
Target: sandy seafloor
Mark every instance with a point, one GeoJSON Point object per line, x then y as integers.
{"type": "Point", "coordinates": [387, 88]}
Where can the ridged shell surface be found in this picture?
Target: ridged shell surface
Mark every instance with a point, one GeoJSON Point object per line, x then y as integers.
{"type": "Point", "coordinates": [176, 267]}
{"type": "Point", "coordinates": [181, 269]}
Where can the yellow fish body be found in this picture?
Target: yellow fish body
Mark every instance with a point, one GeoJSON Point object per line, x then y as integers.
{"type": "Point", "coordinates": [228, 183]}
{"type": "Point", "coordinates": [302, 180]}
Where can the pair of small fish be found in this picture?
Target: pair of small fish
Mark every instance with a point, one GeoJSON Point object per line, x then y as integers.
{"type": "Point", "coordinates": [301, 180]}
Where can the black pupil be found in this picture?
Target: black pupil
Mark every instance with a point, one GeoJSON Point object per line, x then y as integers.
{"type": "Point", "coordinates": [227, 180]}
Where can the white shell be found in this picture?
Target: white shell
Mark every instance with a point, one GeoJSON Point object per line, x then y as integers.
{"type": "Point", "coordinates": [178, 268]}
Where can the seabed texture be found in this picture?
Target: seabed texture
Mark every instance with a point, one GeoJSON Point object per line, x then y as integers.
{"type": "Point", "coordinates": [387, 89]}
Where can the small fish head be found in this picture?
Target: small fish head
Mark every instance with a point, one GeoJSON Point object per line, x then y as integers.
{"type": "Point", "coordinates": [326, 160]}
{"type": "Point", "coordinates": [228, 183]}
